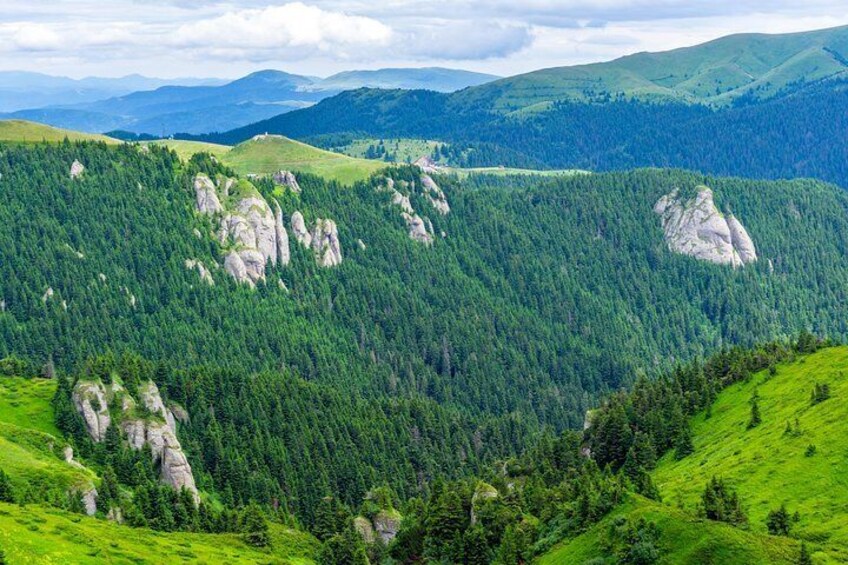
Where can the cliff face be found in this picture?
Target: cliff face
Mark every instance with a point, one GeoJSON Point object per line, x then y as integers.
{"type": "Point", "coordinates": [419, 228]}
{"type": "Point", "coordinates": [251, 234]}
{"type": "Point", "coordinates": [323, 239]}
{"type": "Point", "coordinates": [157, 426]}
{"type": "Point", "coordinates": [695, 227]}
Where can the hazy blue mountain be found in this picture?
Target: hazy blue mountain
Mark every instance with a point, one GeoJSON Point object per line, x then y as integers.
{"type": "Point", "coordinates": [196, 109]}
{"type": "Point", "coordinates": [20, 90]}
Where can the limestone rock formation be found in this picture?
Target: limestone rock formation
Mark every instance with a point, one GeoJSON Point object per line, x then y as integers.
{"type": "Point", "coordinates": [387, 524]}
{"type": "Point", "coordinates": [158, 430]}
{"type": "Point", "coordinates": [77, 169]}
{"type": "Point", "coordinates": [325, 243]}
{"type": "Point", "coordinates": [89, 501]}
{"type": "Point", "coordinates": [418, 229]}
{"type": "Point", "coordinates": [287, 178]}
{"type": "Point", "coordinates": [206, 195]}
{"type": "Point", "coordinates": [435, 195]}
{"type": "Point", "coordinates": [427, 165]}
{"type": "Point", "coordinates": [91, 402]}
{"type": "Point", "coordinates": [697, 228]}
{"type": "Point", "coordinates": [247, 227]}
{"type": "Point", "coordinates": [301, 234]}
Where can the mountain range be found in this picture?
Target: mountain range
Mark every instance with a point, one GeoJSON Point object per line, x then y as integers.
{"type": "Point", "coordinates": [201, 108]}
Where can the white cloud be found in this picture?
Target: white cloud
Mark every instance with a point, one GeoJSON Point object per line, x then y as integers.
{"type": "Point", "coordinates": [297, 27]}
{"type": "Point", "coordinates": [33, 37]}
{"type": "Point", "coordinates": [464, 41]}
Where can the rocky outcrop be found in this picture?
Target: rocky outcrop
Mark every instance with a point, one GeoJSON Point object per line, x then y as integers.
{"type": "Point", "coordinates": [91, 401]}
{"type": "Point", "coordinates": [323, 239]}
{"type": "Point", "coordinates": [205, 274]}
{"type": "Point", "coordinates": [206, 195]}
{"type": "Point", "coordinates": [325, 243]}
{"type": "Point", "coordinates": [89, 501]}
{"type": "Point", "coordinates": [301, 234]}
{"type": "Point", "coordinates": [287, 178]}
{"type": "Point", "coordinates": [417, 229]}
{"type": "Point", "coordinates": [387, 525]}
{"type": "Point", "coordinates": [427, 165]}
{"type": "Point", "coordinates": [252, 233]}
{"type": "Point", "coordinates": [695, 227]}
{"type": "Point", "coordinates": [155, 427]}
{"type": "Point", "coordinates": [77, 169]}
{"type": "Point", "coordinates": [435, 195]}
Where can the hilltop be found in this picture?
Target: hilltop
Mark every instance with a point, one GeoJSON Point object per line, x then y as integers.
{"type": "Point", "coordinates": [21, 131]}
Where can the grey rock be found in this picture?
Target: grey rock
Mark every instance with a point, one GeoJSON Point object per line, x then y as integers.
{"type": "Point", "coordinates": [402, 201]}
{"type": "Point", "coordinates": [235, 266]}
{"type": "Point", "coordinates": [205, 274]}
{"type": "Point", "coordinates": [325, 243]}
{"type": "Point", "coordinates": [696, 228]}
{"type": "Point", "coordinates": [301, 234]}
{"type": "Point", "coordinates": [387, 525]}
{"type": "Point", "coordinates": [91, 402]}
{"type": "Point", "coordinates": [417, 229]}
{"type": "Point", "coordinates": [287, 178]}
{"type": "Point", "coordinates": [435, 195]}
{"type": "Point", "coordinates": [179, 413]}
{"type": "Point", "coordinates": [148, 394]}
{"type": "Point", "coordinates": [364, 528]}
{"type": "Point", "coordinates": [206, 195]}
{"type": "Point", "coordinates": [89, 501]}
{"type": "Point", "coordinates": [427, 165]}
{"type": "Point", "coordinates": [77, 169]}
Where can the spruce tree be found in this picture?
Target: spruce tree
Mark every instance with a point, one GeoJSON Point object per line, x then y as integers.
{"type": "Point", "coordinates": [7, 494]}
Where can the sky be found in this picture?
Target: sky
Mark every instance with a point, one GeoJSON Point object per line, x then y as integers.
{"type": "Point", "coordinates": [203, 38]}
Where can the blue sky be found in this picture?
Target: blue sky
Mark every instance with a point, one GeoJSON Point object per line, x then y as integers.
{"type": "Point", "coordinates": [170, 38]}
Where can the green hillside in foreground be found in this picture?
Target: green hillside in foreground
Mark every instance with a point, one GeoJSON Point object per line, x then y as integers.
{"type": "Point", "coordinates": [769, 466]}
{"type": "Point", "coordinates": [269, 154]}
{"type": "Point", "coordinates": [36, 534]}
{"type": "Point", "coordinates": [716, 72]}
{"type": "Point", "coordinates": [684, 539]}
{"type": "Point", "coordinates": [31, 454]}
{"type": "Point", "coordinates": [21, 131]}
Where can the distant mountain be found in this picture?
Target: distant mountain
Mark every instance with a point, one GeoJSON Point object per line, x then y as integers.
{"type": "Point", "coordinates": [20, 90]}
{"type": "Point", "coordinates": [433, 78]}
{"type": "Point", "coordinates": [205, 108]}
{"type": "Point", "coordinates": [716, 73]}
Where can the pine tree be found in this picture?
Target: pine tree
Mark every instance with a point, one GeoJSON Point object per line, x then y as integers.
{"type": "Point", "coordinates": [7, 494]}
{"type": "Point", "coordinates": [779, 522]}
{"type": "Point", "coordinates": [683, 445]}
{"type": "Point", "coordinates": [755, 420]}
{"type": "Point", "coordinates": [255, 526]}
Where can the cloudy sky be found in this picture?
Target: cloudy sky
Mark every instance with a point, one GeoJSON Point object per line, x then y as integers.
{"type": "Point", "coordinates": [170, 38]}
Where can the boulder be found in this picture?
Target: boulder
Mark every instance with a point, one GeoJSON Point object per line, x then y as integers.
{"type": "Point", "coordinates": [91, 402]}
{"type": "Point", "coordinates": [301, 234]}
{"type": "Point", "coordinates": [89, 501]}
{"type": "Point", "coordinates": [77, 169]}
{"type": "Point", "coordinates": [234, 265]}
{"type": "Point", "coordinates": [205, 274]}
{"type": "Point", "coordinates": [148, 394]}
{"type": "Point", "coordinates": [695, 227]}
{"type": "Point", "coordinates": [435, 195]}
{"type": "Point", "coordinates": [325, 243]}
{"type": "Point", "coordinates": [387, 525]}
{"type": "Point", "coordinates": [287, 178]}
{"type": "Point", "coordinates": [206, 195]}
{"type": "Point", "coordinates": [417, 229]}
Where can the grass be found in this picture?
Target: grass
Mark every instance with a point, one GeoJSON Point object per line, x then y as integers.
{"type": "Point", "coordinates": [405, 150]}
{"type": "Point", "coordinates": [684, 540]}
{"type": "Point", "coordinates": [768, 467]}
{"type": "Point", "coordinates": [35, 534]}
{"type": "Point", "coordinates": [267, 155]}
{"type": "Point", "coordinates": [21, 131]}
{"type": "Point", "coordinates": [185, 149]}
{"type": "Point", "coordinates": [26, 403]}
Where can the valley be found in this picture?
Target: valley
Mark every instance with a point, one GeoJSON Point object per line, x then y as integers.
{"type": "Point", "coordinates": [592, 314]}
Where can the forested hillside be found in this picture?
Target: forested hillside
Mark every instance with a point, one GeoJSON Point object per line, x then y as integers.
{"type": "Point", "coordinates": [799, 134]}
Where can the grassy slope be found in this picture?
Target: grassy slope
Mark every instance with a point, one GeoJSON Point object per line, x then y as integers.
{"type": "Point", "coordinates": [34, 534]}
{"type": "Point", "coordinates": [406, 150]}
{"type": "Point", "coordinates": [20, 131]}
{"type": "Point", "coordinates": [185, 149]}
{"type": "Point", "coordinates": [267, 155]}
{"type": "Point", "coordinates": [767, 467]}
{"type": "Point", "coordinates": [684, 540]}
{"type": "Point", "coordinates": [714, 72]}
{"type": "Point", "coordinates": [30, 453]}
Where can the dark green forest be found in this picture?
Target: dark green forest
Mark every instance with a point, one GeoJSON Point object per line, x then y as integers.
{"type": "Point", "coordinates": [405, 363]}
{"type": "Point", "coordinates": [799, 134]}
